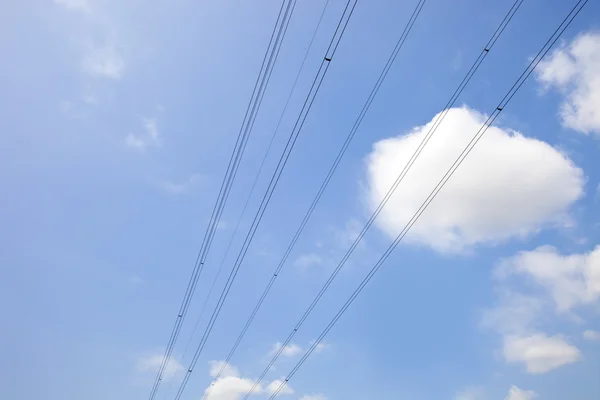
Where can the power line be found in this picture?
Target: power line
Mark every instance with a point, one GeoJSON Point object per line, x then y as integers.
{"type": "Point", "coordinates": [503, 103]}
{"type": "Point", "coordinates": [253, 187]}
{"type": "Point", "coordinates": [324, 185]}
{"type": "Point", "coordinates": [260, 85]}
{"type": "Point", "coordinates": [483, 54]}
{"type": "Point", "coordinates": [316, 85]}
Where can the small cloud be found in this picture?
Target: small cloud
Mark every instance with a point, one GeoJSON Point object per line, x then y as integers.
{"type": "Point", "coordinates": [591, 335]}
{"type": "Point", "coordinates": [308, 260]}
{"type": "Point", "coordinates": [104, 62]}
{"type": "Point", "coordinates": [319, 347]}
{"type": "Point", "coordinates": [75, 5]}
{"type": "Point", "coordinates": [515, 393]}
{"type": "Point", "coordinates": [152, 363]}
{"type": "Point", "coordinates": [227, 369]}
{"type": "Point", "coordinates": [274, 387]}
{"type": "Point", "coordinates": [313, 397]}
{"type": "Point", "coordinates": [183, 187]}
{"type": "Point", "coordinates": [291, 350]}
{"type": "Point", "coordinates": [89, 99]}
{"type": "Point", "coordinates": [149, 137]}
{"type": "Point", "coordinates": [540, 353]}
{"type": "Point", "coordinates": [68, 109]}
{"type": "Point", "coordinates": [575, 70]}
{"type": "Point", "coordinates": [230, 385]}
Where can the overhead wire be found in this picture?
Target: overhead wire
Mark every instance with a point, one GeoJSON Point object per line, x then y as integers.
{"type": "Point", "coordinates": [316, 85]}
{"type": "Point", "coordinates": [268, 62]}
{"type": "Point", "coordinates": [324, 185]}
{"type": "Point", "coordinates": [258, 174]}
{"type": "Point", "coordinates": [483, 54]}
{"type": "Point", "coordinates": [489, 121]}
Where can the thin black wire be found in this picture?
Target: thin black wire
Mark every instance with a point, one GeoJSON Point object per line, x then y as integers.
{"type": "Point", "coordinates": [233, 165]}
{"type": "Point", "coordinates": [485, 51]}
{"type": "Point", "coordinates": [258, 174]}
{"type": "Point", "coordinates": [325, 183]}
{"type": "Point", "coordinates": [331, 50]}
{"type": "Point", "coordinates": [503, 103]}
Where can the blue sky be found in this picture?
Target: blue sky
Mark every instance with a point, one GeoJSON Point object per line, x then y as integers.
{"type": "Point", "coordinates": [118, 119]}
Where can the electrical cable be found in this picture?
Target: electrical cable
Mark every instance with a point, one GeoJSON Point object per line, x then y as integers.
{"type": "Point", "coordinates": [258, 174]}
{"type": "Point", "coordinates": [331, 50]}
{"type": "Point", "coordinates": [503, 103]}
{"type": "Point", "coordinates": [325, 183]}
{"type": "Point", "coordinates": [260, 85]}
{"type": "Point", "coordinates": [483, 54]}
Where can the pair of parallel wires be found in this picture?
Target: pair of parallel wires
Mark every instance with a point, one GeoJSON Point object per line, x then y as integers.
{"type": "Point", "coordinates": [566, 22]}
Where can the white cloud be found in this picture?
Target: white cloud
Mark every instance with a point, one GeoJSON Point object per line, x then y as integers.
{"type": "Point", "coordinates": [184, 187]}
{"type": "Point", "coordinates": [471, 393]}
{"type": "Point", "coordinates": [539, 352]}
{"type": "Point", "coordinates": [317, 396]}
{"type": "Point", "coordinates": [104, 61]}
{"type": "Point", "coordinates": [308, 260]}
{"type": "Point", "coordinates": [515, 393]}
{"type": "Point", "coordinates": [559, 285]}
{"type": "Point", "coordinates": [515, 313]}
{"type": "Point", "coordinates": [149, 137]}
{"type": "Point", "coordinates": [153, 362]}
{"type": "Point", "coordinates": [78, 5]}
{"type": "Point", "coordinates": [575, 70]}
{"type": "Point", "coordinates": [291, 350]}
{"type": "Point", "coordinates": [228, 370]}
{"type": "Point", "coordinates": [508, 186]}
{"type": "Point", "coordinates": [273, 386]}
{"type": "Point", "coordinates": [320, 347]}
{"type": "Point", "coordinates": [591, 335]}
{"type": "Point", "coordinates": [230, 386]}
{"type": "Point", "coordinates": [572, 280]}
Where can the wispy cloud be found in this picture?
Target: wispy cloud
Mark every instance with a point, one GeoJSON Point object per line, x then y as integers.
{"type": "Point", "coordinates": [184, 187]}
{"type": "Point", "coordinates": [562, 285]}
{"type": "Point", "coordinates": [149, 137]}
{"type": "Point", "coordinates": [76, 5]}
{"type": "Point", "coordinates": [104, 61]}
{"type": "Point", "coordinates": [591, 335]}
{"type": "Point", "coordinates": [308, 260]}
{"type": "Point", "coordinates": [290, 350]}
{"type": "Point", "coordinates": [152, 363]}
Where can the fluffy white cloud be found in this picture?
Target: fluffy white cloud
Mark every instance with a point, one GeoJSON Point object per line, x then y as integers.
{"type": "Point", "coordinates": [291, 350]}
{"type": "Point", "coordinates": [562, 284]}
{"type": "Point", "coordinates": [519, 394]}
{"type": "Point", "coordinates": [591, 335]}
{"type": "Point", "coordinates": [231, 386]}
{"type": "Point", "coordinates": [575, 70]}
{"type": "Point", "coordinates": [104, 61]}
{"type": "Point", "coordinates": [509, 185]}
{"type": "Point", "coordinates": [539, 352]}
{"type": "Point", "coordinates": [152, 363]}
{"type": "Point", "coordinates": [572, 280]}
{"type": "Point", "coordinates": [228, 370]}
{"type": "Point", "coordinates": [149, 137]}
{"type": "Point", "coordinates": [313, 397]}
